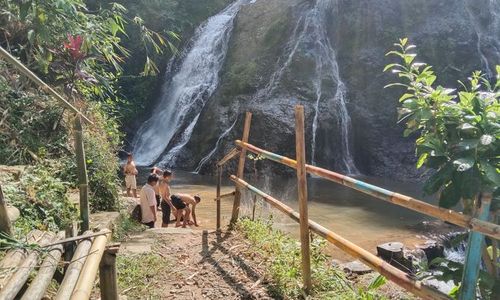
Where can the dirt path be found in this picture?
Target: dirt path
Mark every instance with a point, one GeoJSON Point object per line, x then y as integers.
{"type": "Point", "coordinates": [202, 265]}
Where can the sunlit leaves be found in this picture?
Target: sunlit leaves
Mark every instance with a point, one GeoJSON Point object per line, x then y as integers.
{"type": "Point", "coordinates": [458, 130]}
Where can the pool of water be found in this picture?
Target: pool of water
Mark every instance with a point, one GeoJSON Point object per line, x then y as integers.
{"type": "Point", "coordinates": [362, 219]}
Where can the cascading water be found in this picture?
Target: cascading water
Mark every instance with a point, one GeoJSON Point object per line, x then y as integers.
{"type": "Point", "coordinates": [487, 33]}
{"type": "Point", "coordinates": [310, 38]}
{"type": "Point", "coordinates": [205, 159]}
{"type": "Point", "coordinates": [184, 97]}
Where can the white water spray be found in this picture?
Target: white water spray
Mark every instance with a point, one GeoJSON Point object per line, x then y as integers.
{"type": "Point", "coordinates": [184, 97]}
{"type": "Point", "coordinates": [310, 38]}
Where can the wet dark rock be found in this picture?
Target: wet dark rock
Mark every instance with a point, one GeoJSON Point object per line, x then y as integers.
{"type": "Point", "coordinates": [393, 253]}
{"type": "Point", "coordinates": [361, 32]}
{"type": "Point", "coordinates": [432, 249]}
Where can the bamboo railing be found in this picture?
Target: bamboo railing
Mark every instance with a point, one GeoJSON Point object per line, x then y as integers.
{"type": "Point", "coordinates": [79, 149]}
{"type": "Point", "coordinates": [392, 273]}
{"type": "Point", "coordinates": [478, 225]}
{"type": "Point", "coordinates": [448, 215]}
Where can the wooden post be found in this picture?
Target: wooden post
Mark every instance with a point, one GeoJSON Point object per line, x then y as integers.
{"type": "Point", "coordinates": [219, 179]}
{"type": "Point", "coordinates": [82, 175]}
{"type": "Point", "coordinates": [107, 274]}
{"type": "Point", "coordinates": [4, 216]}
{"type": "Point", "coordinates": [445, 214]}
{"type": "Point", "coordinates": [473, 257]}
{"type": "Point", "coordinates": [74, 268]}
{"type": "Point", "coordinates": [241, 168]}
{"type": "Point", "coordinates": [85, 283]}
{"type": "Point", "coordinates": [376, 263]}
{"type": "Point", "coordinates": [300, 148]}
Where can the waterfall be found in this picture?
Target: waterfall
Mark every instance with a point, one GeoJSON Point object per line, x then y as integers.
{"type": "Point", "coordinates": [488, 43]}
{"type": "Point", "coordinates": [310, 38]}
{"type": "Point", "coordinates": [184, 96]}
{"type": "Point", "coordinates": [205, 159]}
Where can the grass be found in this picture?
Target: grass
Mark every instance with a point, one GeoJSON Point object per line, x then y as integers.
{"type": "Point", "coordinates": [283, 254]}
{"type": "Point", "coordinates": [139, 275]}
{"type": "Point", "coordinates": [125, 226]}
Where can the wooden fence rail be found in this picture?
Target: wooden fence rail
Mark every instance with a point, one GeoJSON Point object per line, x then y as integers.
{"type": "Point", "coordinates": [478, 225]}
{"type": "Point", "coordinates": [376, 263]}
{"type": "Point", "coordinates": [448, 215]}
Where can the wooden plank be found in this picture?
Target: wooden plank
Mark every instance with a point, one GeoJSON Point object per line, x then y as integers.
{"type": "Point", "coordinates": [5, 225]}
{"type": "Point", "coordinates": [300, 149]}
{"type": "Point", "coordinates": [39, 285]}
{"type": "Point", "coordinates": [19, 278]}
{"type": "Point", "coordinates": [218, 197]}
{"type": "Point", "coordinates": [73, 271]}
{"type": "Point", "coordinates": [448, 215]}
{"type": "Point", "coordinates": [85, 282]}
{"type": "Point", "coordinates": [26, 72]}
{"type": "Point", "coordinates": [390, 272]}
{"type": "Point", "coordinates": [241, 168]}
{"type": "Point", "coordinates": [107, 275]}
{"type": "Point", "coordinates": [82, 175]}
{"type": "Point", "coordinates": [473, 256]}
{"type": "Point", "coordinates": [230, 155]}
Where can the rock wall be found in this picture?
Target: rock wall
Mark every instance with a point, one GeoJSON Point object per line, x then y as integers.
{"type": "Point", "coordinates": [455, 36]}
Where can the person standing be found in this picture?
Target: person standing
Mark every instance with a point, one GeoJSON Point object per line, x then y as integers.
{"type": "Point", "coordinates": [130, 173]}
{"type": "Point", "coordinates": [148, 201]}
{"type": "Point", "coordinates": [166, 203]}
{"type": "Point", "coordinates": [157, 171]}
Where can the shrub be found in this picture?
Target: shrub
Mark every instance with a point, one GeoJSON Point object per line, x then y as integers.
{"type": "Point", "coordinates": [458, 129]}
{"type": "Point", "coordinates": [42, 200]}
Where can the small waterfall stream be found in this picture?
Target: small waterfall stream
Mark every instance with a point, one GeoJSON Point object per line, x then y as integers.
{"type": "Point", "coordinates": [207, 157]}
{"type": "Point", "coordinates": [488, 35]}
{"type": "Point", "coordinates": [184, 97]}
{"type": "Point", "coordinates": [310, 38]}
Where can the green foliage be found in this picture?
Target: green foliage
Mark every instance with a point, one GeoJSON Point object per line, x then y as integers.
{"type": "Point", "coordinates": [458, 129]}
{"type": "Point", "coordinates": [126, 226]}
{"type": "Point", "coordinates": [42, 200]}
{"type": "Point", "coordinates": [140, 271]}
{"type": "Point", "coordinates": [28, 127]}
{"type": "Point", "coordinates": [102, 142]}
{"type": "Point", "coordinates": [449, 270]}
{"type": "Point", "coordinates": [285, 266]}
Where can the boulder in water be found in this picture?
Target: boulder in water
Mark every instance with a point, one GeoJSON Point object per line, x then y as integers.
{"type": "Point", "coordinates": [432, 249]}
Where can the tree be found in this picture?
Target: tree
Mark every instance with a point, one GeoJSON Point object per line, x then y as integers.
{"type": "Point", "coordinates": [458, 130]}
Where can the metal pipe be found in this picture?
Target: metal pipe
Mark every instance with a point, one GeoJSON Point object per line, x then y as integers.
{"type": "Point", "coordinates": [397, 276]}
{"type": "Point", "coordinates": [448, 215]}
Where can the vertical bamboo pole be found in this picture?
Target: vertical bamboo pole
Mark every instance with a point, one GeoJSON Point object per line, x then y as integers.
{"type": "Point", "coordinates": [241, 168]}
{"type": "Point", "coordinates": [302, 194]}
{"type": "Point", "coordinates": [4, 216]}
{"type": "Point", "coordinates": [473, 257]}
{"type": "Point", "coordinates": [219, 175]}
{"type": "Point", "coordinates": [82, 175]}
{"type": "Point", "coordinates": [107, 274]}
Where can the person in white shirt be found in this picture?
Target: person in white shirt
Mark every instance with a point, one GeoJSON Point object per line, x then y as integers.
{"type": "Point", "coordinates": [148, 201]}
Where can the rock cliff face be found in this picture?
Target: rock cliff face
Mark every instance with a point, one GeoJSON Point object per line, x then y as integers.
{"type": "Point", "coordinates": [328, 55]}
